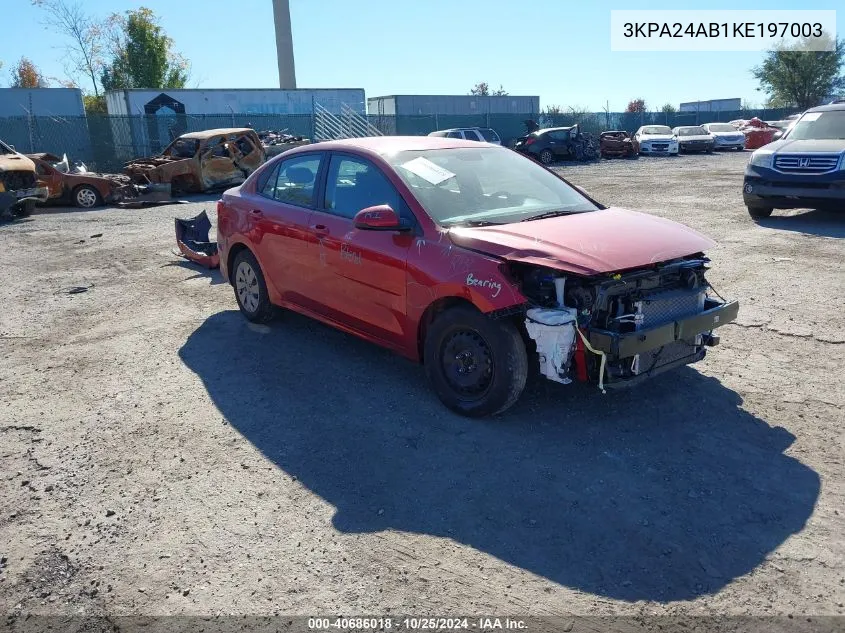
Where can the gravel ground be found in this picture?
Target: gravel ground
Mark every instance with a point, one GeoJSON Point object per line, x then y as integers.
{"type": "Point", "coordinates": [160, 455]}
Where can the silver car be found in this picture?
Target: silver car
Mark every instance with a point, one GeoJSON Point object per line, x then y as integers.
{"type": "Point", "coordinates": [725, 136]}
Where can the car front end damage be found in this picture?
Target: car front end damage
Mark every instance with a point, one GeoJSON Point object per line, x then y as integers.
{"type": "Point", "coordinates": [618, 329]}
{"type": "Point", "coordinates": [19, 191]}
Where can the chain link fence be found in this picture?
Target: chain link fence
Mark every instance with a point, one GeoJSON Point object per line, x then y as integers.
{"type": "Point", "coordinates": [105, 143]}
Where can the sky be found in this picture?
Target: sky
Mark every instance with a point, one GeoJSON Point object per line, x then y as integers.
{"type": "Point", "coordinates": [557, 49]}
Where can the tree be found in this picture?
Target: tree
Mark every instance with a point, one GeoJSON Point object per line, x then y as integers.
{"type": "Point", "coordinates": [141, 54]}
{"type": "Point", "coordinates": [26, 75]}
{"type": "Point", "coordinates": [668, 108]}
{"type": "Point", "coordinates": [553, 109]}
{"type": "Point", "coordinates": [636, 105]}
{"type": "Point", "coordinates": [84, 35]}
{"type": "Point", "coordinates": [792, 76]}
{"type": "Point", "coordinates": [482, 89]}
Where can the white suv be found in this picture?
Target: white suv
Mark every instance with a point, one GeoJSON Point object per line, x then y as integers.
{"type": "Point", "coordinates": [484, 134]}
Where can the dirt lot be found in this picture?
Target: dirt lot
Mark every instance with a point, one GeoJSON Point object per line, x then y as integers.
{"type": "Point", "coordinates": [158, 455]}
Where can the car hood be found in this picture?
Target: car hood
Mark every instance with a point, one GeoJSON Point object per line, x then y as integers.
{"type": "Point", "coordinates": [16, 162]}
{"type": "Point", "coordinates": [604, 241]}
{"type": "Point", "coordinates": [735, 133]}
{"type": "Point", "coordinates": [697, 137]}
{"type": "Point", "coordinates": [807, 146]}
{"type": "Point", "coordinates": [656, 137]}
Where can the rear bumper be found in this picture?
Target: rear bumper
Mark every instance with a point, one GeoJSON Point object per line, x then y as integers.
{"type": "Point", "coordinates": [628, 345]}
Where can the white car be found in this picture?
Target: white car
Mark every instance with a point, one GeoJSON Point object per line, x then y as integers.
{"type": "Point", "coordinates": [693, 138]}
{"type": "Point", "coordinates": [483, 134]}
{"type": "Point", "coordinates": [657, 139]}
{"type": "Point", "coordinates": [725, 136]}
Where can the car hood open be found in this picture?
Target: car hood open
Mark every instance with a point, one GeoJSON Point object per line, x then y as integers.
{"type": "Point", "coordinates": [609, 240]}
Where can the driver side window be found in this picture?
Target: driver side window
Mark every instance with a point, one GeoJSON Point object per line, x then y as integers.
{"type": "Point", "coordinates": [354, 184]}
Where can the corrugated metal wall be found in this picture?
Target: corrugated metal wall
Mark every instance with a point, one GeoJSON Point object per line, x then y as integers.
{"type": "Point", "coordinates": [41, 102]}
{"type": "Point", "coordinates": [415, 105]}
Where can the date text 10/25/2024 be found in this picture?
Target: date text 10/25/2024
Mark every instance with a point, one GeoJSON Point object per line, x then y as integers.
{"type": "Point", "coordinates": [416, 624]}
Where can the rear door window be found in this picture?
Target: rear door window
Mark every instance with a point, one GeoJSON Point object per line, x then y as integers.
{"type": "Point", "coordinates": [294, 180]}
{"type": "Point", "coordinates": [471, 135]}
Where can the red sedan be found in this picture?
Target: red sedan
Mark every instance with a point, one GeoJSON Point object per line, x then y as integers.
{"type": "Point", "coordinates": [469, 258]}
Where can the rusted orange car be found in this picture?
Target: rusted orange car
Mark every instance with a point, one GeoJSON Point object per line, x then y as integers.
{"type": "Point", "coordinates": [89, 189]}
{"type": "Point", "coordinates": [201, 161]}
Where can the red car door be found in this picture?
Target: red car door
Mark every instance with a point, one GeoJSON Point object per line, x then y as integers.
{"type": "Point", "coordinates": [360, 275]}
{"type": "Point", "coordinates": [279, 214]}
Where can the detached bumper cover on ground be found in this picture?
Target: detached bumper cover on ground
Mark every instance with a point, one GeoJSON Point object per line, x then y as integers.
{"type": "Point", "coordinates": [193, 243]}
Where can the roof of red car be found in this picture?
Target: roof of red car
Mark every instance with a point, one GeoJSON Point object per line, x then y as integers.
{"type": "Point", "coordinates": [390, 144]}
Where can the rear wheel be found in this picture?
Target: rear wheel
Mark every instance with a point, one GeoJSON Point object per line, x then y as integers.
{"type": "Point", "coordinates": [758, 213]}
{"type": "Point", "coordinates": [547, 157]}
{"type": "Point", "coordinates": [251, 289]}
{"type": "Point", "coordinates": [477, 366]}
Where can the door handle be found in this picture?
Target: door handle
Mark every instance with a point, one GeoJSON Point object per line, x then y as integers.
{"type": "Point", "coordinates": [256, 213]}
{"type": "Point", "coordinates": [320, 229]}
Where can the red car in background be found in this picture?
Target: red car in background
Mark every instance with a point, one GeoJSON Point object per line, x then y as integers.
{"type": "Point", "coordinates": [472, 259]}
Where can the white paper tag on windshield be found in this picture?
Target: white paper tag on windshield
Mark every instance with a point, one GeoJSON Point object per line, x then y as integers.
{"type": "Point", "coordinates": [424, 168]}
{"type": "Point", "coordinates": [811, 116]}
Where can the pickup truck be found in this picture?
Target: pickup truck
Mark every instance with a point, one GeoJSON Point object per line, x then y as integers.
{"type": "Point", "coordinates": [805, 168]}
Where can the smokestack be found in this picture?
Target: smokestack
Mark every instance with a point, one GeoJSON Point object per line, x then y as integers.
{"type": "Point", "coordinates": [284, 44]}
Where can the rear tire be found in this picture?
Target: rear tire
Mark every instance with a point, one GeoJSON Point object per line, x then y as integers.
{"type": "Point", "coordinates": [547, 157]}
{"type": "Point", "coordinates": [759, 213]}
{"type": "Point", "coordinates": [477, 366]}
{"type": "Point", "coordinates": [251, 289]}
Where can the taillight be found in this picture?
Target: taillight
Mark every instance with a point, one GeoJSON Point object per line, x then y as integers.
{"type": "Point", "coordinates": [528, 141]}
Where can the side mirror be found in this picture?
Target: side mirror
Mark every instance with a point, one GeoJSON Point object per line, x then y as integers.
{"type": "Point", "coordinates": [379, 218]}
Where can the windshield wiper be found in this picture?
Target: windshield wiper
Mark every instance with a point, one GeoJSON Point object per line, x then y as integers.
{"type": "Point", "coordinates": [550, 214]}
{"type": "Point", "coordinates": [473, 223]}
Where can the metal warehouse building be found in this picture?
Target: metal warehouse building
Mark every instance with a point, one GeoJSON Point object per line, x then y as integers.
{"type": "Point", "coordinates": [452, 104]}
{"type": "Point", "coordinates": [41, 102]}
{"type": "Point", "coordinates": [238, 101]}
{"type": "Point", "coordinates": [713, 105]}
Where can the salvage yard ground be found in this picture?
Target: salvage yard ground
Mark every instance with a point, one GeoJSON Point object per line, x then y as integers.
{"type": "Point", "coordinates": [160, 455]}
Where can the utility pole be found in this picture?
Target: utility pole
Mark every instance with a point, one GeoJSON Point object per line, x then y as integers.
{"type": "Point", "coordinates": [284, 44]}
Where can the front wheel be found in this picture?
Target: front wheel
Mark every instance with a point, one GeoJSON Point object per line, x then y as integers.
{"type": "Point", "coordinates": [251, 289]}
{"type": "Point", "coordinates": [477, 366]}
{"type": "Point", "coordinates": [547, 157]}
{"type": "Point", "coordinates": [758, 213]}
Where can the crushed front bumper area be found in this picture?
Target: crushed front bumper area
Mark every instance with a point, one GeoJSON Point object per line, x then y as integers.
{"type": "Point", "coordinates": [663, 347]}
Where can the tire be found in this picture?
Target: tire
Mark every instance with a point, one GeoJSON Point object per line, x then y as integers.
{"type": "Point", "coordinates": [547, 157]}
{"type": "Point", "coordinates": [86, 197]}
{"type": "Point", "coordinates": [251, 289]}
{"type": "Point", "coordinates": [26, 209]}
{"type": "Point", "coordinates": [758, 213]}
{"type": "Point", "coordinates": [477, 366]}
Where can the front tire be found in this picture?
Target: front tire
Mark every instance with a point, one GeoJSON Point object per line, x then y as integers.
{"type": "Point", "coordinates": [477, 366]}
{"type": "Point", "coordinates": [86, 197]}
{"type": "Point", "coordinates": [547, 157]}
{"type": "Point", "coordinates": [251, 289]}
{"type": "Point", "coordinates": [759, 213]}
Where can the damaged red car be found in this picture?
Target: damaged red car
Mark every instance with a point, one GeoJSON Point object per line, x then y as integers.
{"type": "Point", "coordinates": [471, 259]}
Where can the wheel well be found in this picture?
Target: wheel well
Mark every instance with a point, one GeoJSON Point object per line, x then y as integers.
{"type": "Point", "coordinates": [85, 184]}
{"type": "Point", "coordinates": [233, 254]}
{"type": "Point", "coordinates": [431, 312]}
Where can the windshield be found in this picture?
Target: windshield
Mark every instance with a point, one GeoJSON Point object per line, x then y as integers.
{"type": "Point", "coordinates": [484, 185]}
{"type": "Point", "coordinates": [657, 129]}
{"type": "Point", "coordinates": [819, 126]}
{"type": "Point", "coordinates": [721, 127]}
{"type": "Point", "coordinates": [692, 131]}
{"type": "Point", "coordinates": [183, 148]}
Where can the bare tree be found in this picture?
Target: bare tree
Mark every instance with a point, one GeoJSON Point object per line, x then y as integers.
{"type": "Point", "coordinates": [84, 47]}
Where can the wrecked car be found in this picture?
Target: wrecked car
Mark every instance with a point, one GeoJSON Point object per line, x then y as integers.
{"type": "Point", "coordinates": [19, 186]}
{"type": "Point", "coordinates": [192, 240]}
{"type": "Point", "coordinates": [275, 142]}
{"type": "Point", "coordinates": [85, 189]}
{"type": "Point", "coordinates": [202, 161]}
{"type": "Point", "coordinates": [472, 260]}
{"type": "Point", "coordinates": [552, 144]}
{"type": "Point", "coordinates": [617, 143]}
